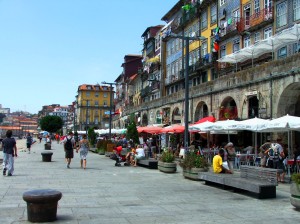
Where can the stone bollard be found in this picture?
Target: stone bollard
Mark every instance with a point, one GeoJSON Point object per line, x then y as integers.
{"type": "Point", "coordinates": [46, 156]}
{"type": "Point", "coordinates": [42, 204]}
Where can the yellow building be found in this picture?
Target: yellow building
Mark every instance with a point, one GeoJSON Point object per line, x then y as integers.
{"type": "Point", "coordinates": [93, 106]}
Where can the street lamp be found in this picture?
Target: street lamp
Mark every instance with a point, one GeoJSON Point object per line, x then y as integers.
{"type": "Point", "coordinates": [186, 79]}
{"type": "Point", "coordinates": [110, 105]}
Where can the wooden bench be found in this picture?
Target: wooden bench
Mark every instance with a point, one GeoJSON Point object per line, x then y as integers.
{"type": "Point", "coordinates": [260, 181]}
{"type": "Point", "coordinates": [149, 163]}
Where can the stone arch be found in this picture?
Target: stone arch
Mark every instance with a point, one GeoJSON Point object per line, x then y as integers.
{"type": "Point", "coordinates": [144, 119]}
{"type": "Point", "coordinates": [201, 111]}
{"type": "Point", "coordinates": [289, 101]}
{"type": "Point", "coordinates": [176, 116]}
{"type": "Point", "coordinates": [228, 109]}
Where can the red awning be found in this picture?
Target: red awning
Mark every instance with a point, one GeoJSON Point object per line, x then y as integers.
{"type": "Point", "coordinates": [209, 118]}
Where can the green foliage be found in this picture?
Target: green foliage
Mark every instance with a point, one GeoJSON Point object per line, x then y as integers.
{"type": "Point", "coordinates": [296, 178]}
{"type": "Point", "coordinates": [51, 123]}
{"type": "Point", "coordinates": [92, 136]}
{"type": "Point", "coordinates": [132, 133]}
{"type": "Point", "coordinates": [167, 157]}
{"type": "Point", "coordinates": [192, 160]}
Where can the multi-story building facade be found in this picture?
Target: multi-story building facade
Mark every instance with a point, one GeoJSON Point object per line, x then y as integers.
{"type": "Point", "coordinates": [93, 106]}
{"type": "Point", "coordinates": [127, 94]}
{"type": "Point", "coordinates": [265, 86]}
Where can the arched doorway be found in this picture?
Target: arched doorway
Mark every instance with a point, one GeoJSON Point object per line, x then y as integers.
{"type": "Point", "coordinates": [176, 116]}
{"type": "Point", "coordinates": [289, 103]}
{"type": "Point", "coordinates": [145, 119]}
{"type": "Point", "coordinates": [201, 111]}
{"type": "Point", "coordinates": [253, 106]}
{"type": "Point", "coordinates": [228, 109]}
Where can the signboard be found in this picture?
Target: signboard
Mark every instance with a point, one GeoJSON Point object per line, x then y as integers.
{"type": "Point", "coordinates": [107, 112]}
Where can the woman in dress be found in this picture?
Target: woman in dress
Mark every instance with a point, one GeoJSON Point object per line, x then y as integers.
{"type": "Point", "coordinates": [83, 149]}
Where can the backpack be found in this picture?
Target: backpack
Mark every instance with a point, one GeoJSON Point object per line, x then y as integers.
{"type": "Point", "coordinates": [68, 144]}
{"type": "Point", "coordinates": [29, 139]}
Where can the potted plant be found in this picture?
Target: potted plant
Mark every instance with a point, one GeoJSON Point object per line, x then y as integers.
{"type": "Point", "coordinates": [295, 190]}
{"type": "Point", "coordinates": [192, 164]}
{"type": "Point", "coordinates": [101, 147]}
{"type": "Point", "coordinates": [166, 162]}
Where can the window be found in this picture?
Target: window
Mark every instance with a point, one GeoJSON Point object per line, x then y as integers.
{"type": "Point", "coordinates": [104, 103]}
{"type": "Point", "coordinates": [281, 14]}
{"type": "Point", "coordinates": [296, 7]}
{"type": "Point", "coordinates": [256, 37]}
{"type": "Point", "coordinates": [213, 13]}
{"type": "Point", "coordinates": [247, 15]}
{"type": "Point", "coordinates": [247, 41]}
{"type": "Point", "coordinates": [282, 53]}
{"type": "Point", "coordinates": [267, 32]}
{"type": "Point", "coordinates": [96, 94]}
{"type": "Point", "coordinates": [222, 2]}
{"type": "Point", "coordinates": [256, 7]}
{"type": "Point", "coordinates": [236, 45]}
{"type": "Point", "coordinates": [204, 20]}
{"type": "Point", "coordinates": [105, 95]}
{"type": "Point", "coordinates": [157, 42]}
{"type": "Point", "coordinates": [203, 49]}
{"type": "Point", "coordinates": [96, 121]}
{"type": "Point", "coordinates": [223, 51]}
{"type": "Point", "coordinates": [88, 93]}
{"type": "Point", "coordinates": [96, 103]}
{"type": "Point", "coordinates": [204, 77]}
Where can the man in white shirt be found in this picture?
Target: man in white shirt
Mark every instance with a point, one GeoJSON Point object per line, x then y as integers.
{"type": "Point", "coordinates": [140, 154]}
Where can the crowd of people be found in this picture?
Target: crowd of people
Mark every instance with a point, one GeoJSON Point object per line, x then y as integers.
{"type": "Point", "coordinates": [271, 155]}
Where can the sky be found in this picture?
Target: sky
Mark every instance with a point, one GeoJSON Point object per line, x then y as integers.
{"type": "Point", "coordinates": [50, 47]}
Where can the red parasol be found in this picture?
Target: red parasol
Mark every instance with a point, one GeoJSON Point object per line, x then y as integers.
{"type": "Point", "coordinates": [209, 118]}
{"type": "Point", "coordinates": [173, 129]}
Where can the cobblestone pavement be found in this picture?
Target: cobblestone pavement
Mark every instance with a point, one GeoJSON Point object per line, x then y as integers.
{"type": "Point", "coordinates": [104, 193]}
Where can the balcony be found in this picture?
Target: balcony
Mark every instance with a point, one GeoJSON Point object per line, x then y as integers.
{"type": "Point", "coordinates": [260, 18]}
{"type": "Point", "coordinates": [145, 92]}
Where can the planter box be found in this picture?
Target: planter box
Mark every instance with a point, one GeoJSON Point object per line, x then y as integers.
{"type": "Point", "coordinates": [167, 167]}
{"type": "Point", "coordinates": [110, 147]}
{"type": "Point", "coordinates": [193, 173]}
{"type": "Point", "coordinates": [295, 195]}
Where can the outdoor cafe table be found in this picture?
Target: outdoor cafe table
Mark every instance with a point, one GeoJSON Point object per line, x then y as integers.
{"type": "Point", "coordinates": [290, 163]}
{"type": "Point", "coordinates": [244, 158]}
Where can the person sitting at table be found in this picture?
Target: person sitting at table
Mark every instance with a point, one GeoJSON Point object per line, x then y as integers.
{"type": "Point", "coordinates": [296, 153]}
{"type": "Point", "coordinates": [218, 163]}
{"type": "Point", "coordinates": [231, 154]}
{"type": "Point", "coordinates": [140, 154]}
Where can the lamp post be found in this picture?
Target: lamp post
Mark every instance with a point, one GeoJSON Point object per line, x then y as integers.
{"type": "Point", "coordinates": [110, 105]}
{"type": "Point", "coordinates": [86, 119]}
{"type": "Point", "coordinates": [186, 80]}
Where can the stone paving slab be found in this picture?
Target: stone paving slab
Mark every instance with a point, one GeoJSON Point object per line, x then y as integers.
{"type": "Point", "coordinates": [104, 193]}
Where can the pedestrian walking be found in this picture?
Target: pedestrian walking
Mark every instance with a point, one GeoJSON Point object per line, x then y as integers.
{"type": "Point", "coordinates": [29, 142]}
{"type": "Point", "coordinates": [69, 145]}
{"type": "Point", "coordinates": [83, 149]}
{"type": "Point", "coordinates": [9, 148]}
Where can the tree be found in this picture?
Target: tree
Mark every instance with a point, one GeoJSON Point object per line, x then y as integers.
{"type": "Point", "coordinates": [132, 132]}
{"type": "Point", "coordinates": [92, 136]}
{"type": "Point", "coordinates": [51, 123]}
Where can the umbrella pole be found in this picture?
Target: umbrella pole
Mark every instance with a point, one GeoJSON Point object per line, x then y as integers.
{"type": "Point", "coordinates": [255, 137]}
